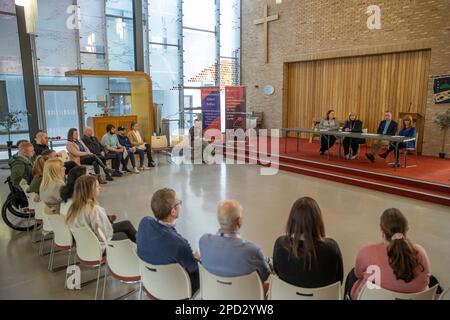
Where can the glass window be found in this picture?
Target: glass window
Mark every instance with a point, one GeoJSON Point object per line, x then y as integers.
{"type": "Point", "coordinates": [12, 92]}
{"type": "Point", "coordinates": [122, 8]}
{"type": "Point", "coordinates": [163, 17]}
{"type": "Point", "coordinates": [119, 85]}
{"type": "Point", "coordinates": [199, 58]}
{"type": "Point", "coordinates": [164, 67]}
{"type": "Point", "coordinates": [95, 91]}
{"type": "Point", "coordinates": [92, 34]}
{"type": "Point", "coordinates": [56, 44]}
{"type": "Point", "coordinates": [120, 43]}
{"type": "Point", "coordinates": [230, 28]}
{"type": "Point", "coordinates": [199, 14]}
{"type": "Point", "coordinates": [8, 6]}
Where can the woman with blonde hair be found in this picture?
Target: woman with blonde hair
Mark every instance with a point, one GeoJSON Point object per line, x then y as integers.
{"type": "Point", "coordinates": [408, 130]}
{"type": "Point", "coordinates": [38, 171]}
{"type": "Point", "coordinates": [85, 211]}
{"type": "Point", "coordinates": [52, 181]}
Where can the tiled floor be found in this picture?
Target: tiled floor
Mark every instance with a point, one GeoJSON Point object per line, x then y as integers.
{"type": "Point", "coordinates": [351, 216]}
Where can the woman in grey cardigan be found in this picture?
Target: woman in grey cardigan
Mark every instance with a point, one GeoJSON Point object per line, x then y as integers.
{"type": "Point", "coordinates": [328, 123]}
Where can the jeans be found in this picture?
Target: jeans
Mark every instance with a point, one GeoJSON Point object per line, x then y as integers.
{"type": "Point", "coordinates": [116, 159]}
{"type": "Point", "coordinates": [142, 153]}
{"type": "Point", "coordinates": [132, 159]}
{"type": "Point", "coordinates": [124, 230]}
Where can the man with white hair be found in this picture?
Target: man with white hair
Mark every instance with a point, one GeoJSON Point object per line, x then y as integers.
{"type": "Point", "coordinates": [226, 254]}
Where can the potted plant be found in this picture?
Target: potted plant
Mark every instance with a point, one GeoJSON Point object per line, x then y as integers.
{"type": "Point", "coordinates": [11, 120]}
{"type": "Point", "coordinates": [443, 121]}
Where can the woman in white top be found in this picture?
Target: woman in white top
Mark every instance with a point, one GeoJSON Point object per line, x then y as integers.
{"type": "Point", "coordinates": [328, 123]}
{"type": "Point", "coordinates": [52, 181]}
{"type": "Point", "coordinates": [85, 211]}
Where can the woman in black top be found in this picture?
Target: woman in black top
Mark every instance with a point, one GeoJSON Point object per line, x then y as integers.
{"type": "Point", "coordinates": [304, 257]}
{"type": "Point", "coordinates": [352, 125]}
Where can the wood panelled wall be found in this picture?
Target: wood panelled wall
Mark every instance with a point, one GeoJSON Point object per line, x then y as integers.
{"type": "Point", "coordinates": [367, 85]}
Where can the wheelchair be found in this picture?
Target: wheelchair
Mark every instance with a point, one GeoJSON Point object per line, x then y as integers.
{"type": "Point", "coordinates": [15, 211]}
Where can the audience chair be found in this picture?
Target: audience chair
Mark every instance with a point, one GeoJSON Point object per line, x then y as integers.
{"type": "Point", "coordinates": [281, 290]}
{"type": "Point", "coordinates": [159, 144]}
{"type": "Point", "coordinates": [38, 213]}
{"type": "Point", "coordinates": [247, 287]}
{"type": "Point", "coordinates": [89, 251]}
{"type": "Point", "coordinates": [165, 282]}
{"type": "Point", "coordinates": [46, 226]}
{"type": "Point", "coordinates": [410, 150]}
{"type": "Point", "coordinates": [122, 262]}
{"type": "Point", "coordinates": [378, 293]}
{"type": "Point", "coordinates": [62, 239]}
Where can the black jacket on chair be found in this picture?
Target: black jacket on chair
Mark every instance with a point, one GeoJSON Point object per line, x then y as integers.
{"type": "Point", "coordinates": [392, 130]}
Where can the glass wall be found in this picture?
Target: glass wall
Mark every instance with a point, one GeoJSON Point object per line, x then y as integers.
{"type": "Point", "coordinates": [92, 34]}
{"type": "Point", "coordinates": [56, 44]}
{"type": "Point", "coordinates": [182, 52]}
{"type": "Point", "coordinates": [120, 38]}
{"type": "Point", "coordinates": [12, 92]}
{"type": "Point", "coordinates": [164, 47]}
{"type": "Point", "coordinates": [190, 35]}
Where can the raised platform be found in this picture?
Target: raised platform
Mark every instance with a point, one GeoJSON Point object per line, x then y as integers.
{"type": "Point", "coordinates": [427, 181]}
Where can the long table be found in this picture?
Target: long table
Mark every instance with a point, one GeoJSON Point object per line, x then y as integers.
{"type": "Point", "coordinates": [341, 135]}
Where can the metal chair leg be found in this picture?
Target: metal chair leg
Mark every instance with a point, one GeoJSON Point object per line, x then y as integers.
{"type": "Point", "coordinates": [50, 258]}
{"type": "Point", "coordinates": [41, 246]}
{"type": "Point", "coordinates": [98, 280]}
{"type": "Point", "coordinates": [68, 264]}
{"type": "Point", "coordinates": [104, 283]}
{"type": "Point", "coordinates": [33, 234]}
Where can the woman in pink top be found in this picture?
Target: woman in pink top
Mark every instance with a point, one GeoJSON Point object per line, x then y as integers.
{"type": "Point", "coordinates": [403, 266]}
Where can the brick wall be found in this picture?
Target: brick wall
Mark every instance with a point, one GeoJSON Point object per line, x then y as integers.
{"type": "Point", "coordinates": [318, 26]}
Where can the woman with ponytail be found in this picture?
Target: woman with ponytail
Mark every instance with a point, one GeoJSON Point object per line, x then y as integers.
{"type": "Point", "coordinates": [401, 265]}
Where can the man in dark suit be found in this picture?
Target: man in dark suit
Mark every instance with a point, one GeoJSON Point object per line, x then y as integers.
{"type": "Point", "coordinates": [97, 148]}
{"type": "Point", "coordinates": [387, 127]}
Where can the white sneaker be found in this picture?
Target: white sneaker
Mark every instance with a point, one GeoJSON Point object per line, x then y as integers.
{"type": "Point", "coordinates": [347, 156]}
{"type": "Point", "coordinates": [135, 170]}
{"type": "Point", "coordinates": [145, 168]}
{"type": "Point", "coordinates": [354, 157]}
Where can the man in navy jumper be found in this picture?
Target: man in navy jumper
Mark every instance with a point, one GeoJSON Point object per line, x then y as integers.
{"type": "Point", "coordinates": [159, 243]}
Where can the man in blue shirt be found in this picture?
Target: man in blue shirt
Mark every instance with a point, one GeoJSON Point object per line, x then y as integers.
{"type": "Point", "coordinates": [159, 243]}
{"type": "Point", "coordinates": [226, 254]}
{"type": "Point", "coordinates": [112, 145]}
{"type": "Point", "coordinates": [387, 127]}
{"type": "Point", "coordinates": [126, 143]}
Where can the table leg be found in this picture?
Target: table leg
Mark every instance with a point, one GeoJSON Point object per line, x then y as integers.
{"type": "Point", "coordinates": [285, 141]}
{"type": "Point", "coordinates": [328, 150]}
{"type": "Point", "coordinates": [396, 156]}
{"type": "Point", "coordinates": [339, 152]}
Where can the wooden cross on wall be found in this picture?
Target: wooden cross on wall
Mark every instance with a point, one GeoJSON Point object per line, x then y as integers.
{"type": "Point", "coordinates": [265, 20]}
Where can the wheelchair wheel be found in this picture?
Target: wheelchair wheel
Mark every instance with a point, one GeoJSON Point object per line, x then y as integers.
{"type": "Point", "coordinates": [18, 206]}
{"type": "Point", "coordinates": [20, 222]}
